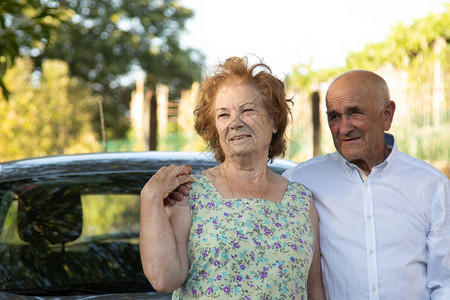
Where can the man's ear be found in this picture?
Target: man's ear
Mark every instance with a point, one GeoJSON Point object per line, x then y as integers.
{"type": "Point", "coordinates": [389, 111]}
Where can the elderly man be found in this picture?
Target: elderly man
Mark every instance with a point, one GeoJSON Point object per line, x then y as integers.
{"type": "Point", "coordinates": [384, 215]}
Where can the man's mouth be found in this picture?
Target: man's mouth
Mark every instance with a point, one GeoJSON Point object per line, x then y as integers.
{"type": "Point", "coordinates": [240, 137]}
{"type": "Point", "coordinates": [350, 139]}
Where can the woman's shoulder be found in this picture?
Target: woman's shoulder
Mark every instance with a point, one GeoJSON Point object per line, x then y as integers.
{"type": "Point", "coordinates": [297, 185]}
{"type": "Point", "coordinates": [298, 188]}
{"type": "Point", "coordinates": [204, 176]}
{"type": "Point", "coordinates": [200, 181]}
{"type": "Point", "coordinates": [202, 185]}
{"type": "Point", "coordinates": [198, 176]}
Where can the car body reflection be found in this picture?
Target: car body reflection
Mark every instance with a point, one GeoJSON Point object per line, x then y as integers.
{"type": "Point", "coordinates": [70, 224]}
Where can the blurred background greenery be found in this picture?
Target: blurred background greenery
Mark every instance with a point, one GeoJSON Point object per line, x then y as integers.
{"type": "Point", "coordinates": [67, 80]}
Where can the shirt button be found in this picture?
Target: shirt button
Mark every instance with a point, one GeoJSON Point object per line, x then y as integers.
{"type": "Point", "coordinates": [366, 183]}
{"type": "Point", "coordinates": [371, 251]}
{"type": "Point", "coordinates": [374, 288]}
{"type": "Point", "coordinates": [369, 217]}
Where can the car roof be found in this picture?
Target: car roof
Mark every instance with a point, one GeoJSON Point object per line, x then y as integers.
{"type": "Point", "coordinates": [114, 162]}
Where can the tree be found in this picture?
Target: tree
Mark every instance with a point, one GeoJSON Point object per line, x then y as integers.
{"type": "Point", "coordinates": [107, 40]}
{"type": "Point", "coordinates": [406, 45]}
{"type": "Point", "coordinates": [47, 116]}
{"type": "Point", "coordinates": [25, 25]}
{"type": "Point", "coordinates": [104, 41]}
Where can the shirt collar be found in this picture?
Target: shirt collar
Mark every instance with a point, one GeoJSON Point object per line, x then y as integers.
{"type": "Point", "coordinates": [391, 143]}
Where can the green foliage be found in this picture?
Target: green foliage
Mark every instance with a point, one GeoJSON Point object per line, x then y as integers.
{"type": "Point", "coordinates": [304, 76]}
{"type": "Point", "coordinates": [420, 51]}
{"type": "Point", "coordinates": [107, 40]}
{"type": "Point", "coordinates": [405, 45]}
{"type": "Point", "coordinates": [119, 145]}
{"type": "Point", "coordinates": [46, 115]}
{"type": "Point", "coordinates": [119, 214]}
{"type": "Point", "coordinates": [25, 25]}
{"type": "Point", "coordinates": [426, 143]}
{"type": "Point", "coordinates": [180, 140]}
{"type": "Point", "coordinates": [104, 41]}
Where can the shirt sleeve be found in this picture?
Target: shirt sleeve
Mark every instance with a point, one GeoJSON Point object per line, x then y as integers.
{"type": "Point", "coordinates": [288, 174]}
{"type": "Point", "coordinates": [438, 243]}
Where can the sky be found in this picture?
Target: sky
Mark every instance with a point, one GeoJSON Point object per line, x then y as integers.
{"type": "Point", "coordinates": [284, 33]}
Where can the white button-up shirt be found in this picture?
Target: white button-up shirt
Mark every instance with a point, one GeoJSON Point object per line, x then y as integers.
{"type": "Point", "coordinates": [386, 236]}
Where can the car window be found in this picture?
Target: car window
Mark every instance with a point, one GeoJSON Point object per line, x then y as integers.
{"type": "Point", "coordinates": [109, 214]}
{"type": "Point", "coordinates": [71, 232]}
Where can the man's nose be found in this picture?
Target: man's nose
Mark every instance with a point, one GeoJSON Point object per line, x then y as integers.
{"type": "Point", "coordinates": [345, 125]}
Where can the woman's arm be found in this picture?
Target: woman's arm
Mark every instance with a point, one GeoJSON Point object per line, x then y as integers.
{"type": "Point", "coordinates": [164, 230]}
{"type": "Point", "coordinates": [314, 285]}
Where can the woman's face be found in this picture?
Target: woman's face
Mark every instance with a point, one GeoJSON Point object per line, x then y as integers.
{"type": "Point", "coordinates": [242, 122]}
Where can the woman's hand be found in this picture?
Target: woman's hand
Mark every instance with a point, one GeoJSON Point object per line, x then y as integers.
{"type": "Point", "coordinates": [165, 181]}
{"type": "Point", "coordinates": [165, 229]}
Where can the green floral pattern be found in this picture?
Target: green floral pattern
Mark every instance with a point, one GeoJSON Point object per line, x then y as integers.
{"type": "Point", "coordinates": [247, 248]}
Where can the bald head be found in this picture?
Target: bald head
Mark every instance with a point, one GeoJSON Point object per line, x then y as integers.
{"type": "Point", "coordinates": [363, 79]}
{"type": "Point", "coordinates": [359, 112]}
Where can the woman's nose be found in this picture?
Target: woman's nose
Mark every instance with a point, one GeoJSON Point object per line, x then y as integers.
{"type": "Point", "coordinates": [236, 121]}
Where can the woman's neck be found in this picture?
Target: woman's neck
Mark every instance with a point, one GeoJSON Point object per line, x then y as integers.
{"type": "Point", "coordinates": [251, 169]}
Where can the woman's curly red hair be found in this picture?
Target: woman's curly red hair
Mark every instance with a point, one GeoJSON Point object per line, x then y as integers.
{"type": "Point", "coordinates": [272, 90]}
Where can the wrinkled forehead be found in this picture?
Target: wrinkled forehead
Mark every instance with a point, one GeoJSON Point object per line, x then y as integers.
{"type": "Point", "coordinates": [359, 87]}
{"type": "Point", "coordinates": [237, 93]}
{"type": "Point", "coordinates": [352, 93]}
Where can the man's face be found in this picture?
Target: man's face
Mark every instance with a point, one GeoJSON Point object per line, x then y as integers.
{"type": "Point", "coordinates": [357, 121]}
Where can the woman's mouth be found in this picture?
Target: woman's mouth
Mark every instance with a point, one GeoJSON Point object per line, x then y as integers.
{"type": "Point", "coordinates": [240, 137]}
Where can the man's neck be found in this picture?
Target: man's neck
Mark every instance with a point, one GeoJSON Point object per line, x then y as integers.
{"type": "Point", "coordinates": [366, 166]}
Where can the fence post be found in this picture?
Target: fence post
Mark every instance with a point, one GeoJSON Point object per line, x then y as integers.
{"type": "Point", "coordinates": [153, 123]}
{"type": "Point", "coordinates": [315, 105]}
{"type": "Point", "coordinates": [139, 116]}
{"type": "Point", "coordinates": [162, 102]}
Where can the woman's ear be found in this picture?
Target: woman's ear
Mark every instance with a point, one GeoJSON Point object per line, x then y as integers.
{"type": "Point", "coordinates": [274, 127]}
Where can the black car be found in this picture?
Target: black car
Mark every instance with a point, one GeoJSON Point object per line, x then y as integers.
{"type": "Point", "coordinates": [70, 224]}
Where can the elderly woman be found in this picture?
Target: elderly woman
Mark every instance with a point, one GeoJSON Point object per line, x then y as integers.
{"type": "Point", "coordinates": [244, 231]}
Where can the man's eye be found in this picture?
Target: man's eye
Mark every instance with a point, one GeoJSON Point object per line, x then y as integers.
{"type": "Point", "coordinates": [248, 110]}
{"type": "Point", "coordinates": [222, 115]}
{"type": "Point", "coordinates": [355, 113]}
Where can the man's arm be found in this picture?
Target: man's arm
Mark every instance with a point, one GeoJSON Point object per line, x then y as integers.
{"type": "Point", "coordinates": [314, 284]}
{"type": "Point", "coordinates": [438, 244]}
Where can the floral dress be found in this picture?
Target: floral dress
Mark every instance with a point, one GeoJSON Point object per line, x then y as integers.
{"type": "Point", "coordinates": [247, 248]}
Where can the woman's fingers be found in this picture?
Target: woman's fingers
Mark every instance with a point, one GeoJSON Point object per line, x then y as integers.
{"type": "Point", "coordinates": [179, 170]}
{"type": "Point", "coordinates": [168, 179]}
